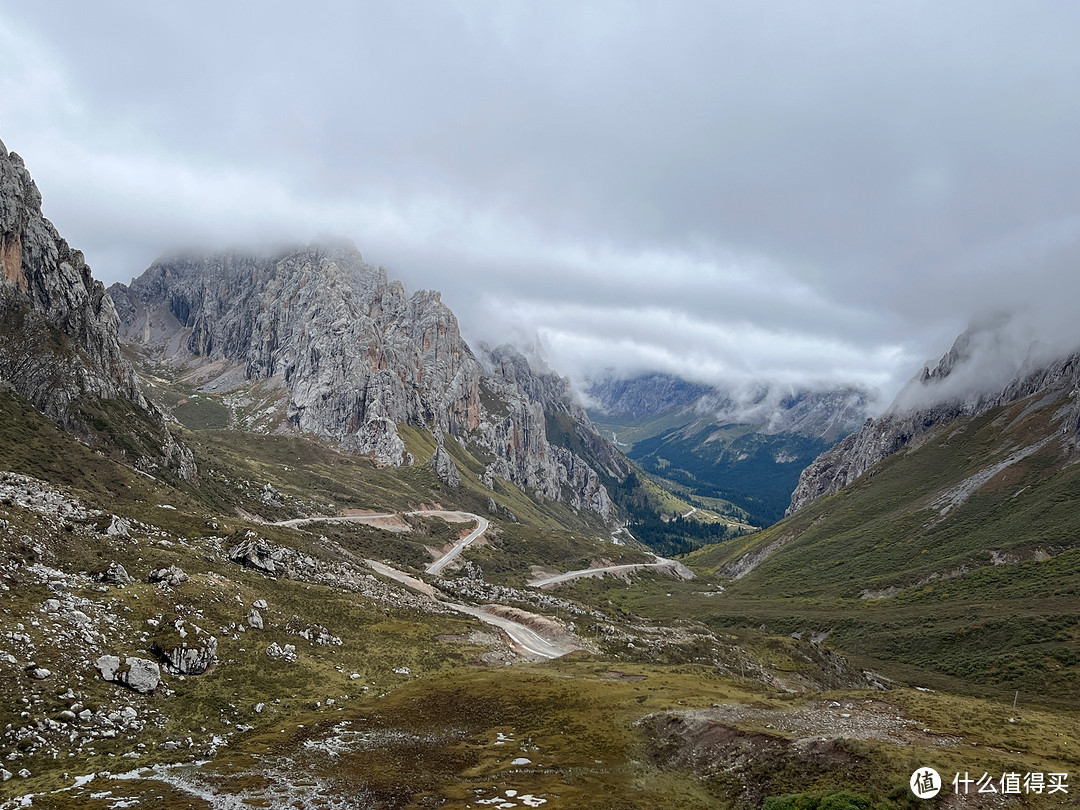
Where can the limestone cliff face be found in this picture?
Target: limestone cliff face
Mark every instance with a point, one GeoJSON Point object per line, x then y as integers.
{"type": "Point", "coordinates": [537, 399]}
{"type": "Point", "coordinates": [59, 345]}
{"type": "Point", "coordinates": [356, 354]}
{"type": "Point", "coordinates": [354, 357]}
{"type": "Point", "coordinates": [949, 390]}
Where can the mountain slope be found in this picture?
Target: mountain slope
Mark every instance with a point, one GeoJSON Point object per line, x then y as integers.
{"type": "Point", "coordinates": [59, 346]}
{"type": "Point", "coordinates": [746, 448]}
{"type": "Point", "coordinates": [958, 552]}
{"type": "Point", "coordinates": [957, 386]}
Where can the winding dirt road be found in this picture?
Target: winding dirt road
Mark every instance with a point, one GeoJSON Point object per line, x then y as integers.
{"type": "Point", "coordinates": [481, 527]}
{"type": "Point", "coordinates": [523, 637]}
{"type": "Point", "coordinates": [449, 516]}
{"type": "Point", "coordinates": [660, 562]}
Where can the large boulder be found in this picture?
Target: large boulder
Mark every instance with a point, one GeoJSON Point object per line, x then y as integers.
{"type": "Point", "coordinates": [253, 553]}
{"type": "Point", "coordinates": [116, 574]}
{"type": "Point", "coordinates": [139, 674]}
{"type": "Point", "coordinates": [444, 467]}
{"type": "Point", "coordinates": [191, 660]}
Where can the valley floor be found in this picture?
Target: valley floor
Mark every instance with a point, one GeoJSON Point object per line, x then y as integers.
{"type": "Point", "coordinates": [343, 673]}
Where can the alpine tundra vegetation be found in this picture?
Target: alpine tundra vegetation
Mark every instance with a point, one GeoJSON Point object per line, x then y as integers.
{"type": "Point", "coordinates": [274, 534]}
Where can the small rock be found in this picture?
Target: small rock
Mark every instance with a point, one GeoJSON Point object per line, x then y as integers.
{"type": "Point", "coordinates": [259, 708]}
{"type": "Point", "coordinates": [107, 665]}
{"type": "Point", "coordinates": [255, 619]}
{"type": "Point", "coordinates": [40, 673]}
{"type": "Point", "coordinates": [260, 604]}
{"type": "Point", "coordinates": [170, 576]}
{"type": "Point", "coordinates": [5, 774]}
{"type": "Point", "coordinates": [119, 527]}
{"type": "Point", "coordinates": [116, 574]}
{"type": "Point", "coordinates": [286, 653]}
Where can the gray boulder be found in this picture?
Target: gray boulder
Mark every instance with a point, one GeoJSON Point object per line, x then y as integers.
{"type": "Point", "coordinates": [119, 527]}
{"type": "Point", "coordinates": [139, 674]}
{"type": "Point", "coordinates": [142, 675]}
{"type": "Point", "coordinates": [253, 553]}
{"type": "Point", "coordinates": [116, 574]}
{"type": "Point", "coordinates": [170, 576]}
{"type": "Point", "coordinates": [193, 660]}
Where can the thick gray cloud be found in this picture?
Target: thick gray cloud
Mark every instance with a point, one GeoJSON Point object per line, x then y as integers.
{"type": "Point", "coordinates": [800, 192]}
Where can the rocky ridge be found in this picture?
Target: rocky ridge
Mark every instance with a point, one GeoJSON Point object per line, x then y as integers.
{"type": "Point", "coordinates": [59, 332]}
{"type": "Point", "coordinates": [349, 356]}
{"type": "Point", "coordinates": [931, 400]}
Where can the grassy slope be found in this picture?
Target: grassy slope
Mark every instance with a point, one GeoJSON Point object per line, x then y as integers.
{"type": "Point", "coordinates": [1011, 626]}
{"type": "Point", "coordinates": [575, 723]}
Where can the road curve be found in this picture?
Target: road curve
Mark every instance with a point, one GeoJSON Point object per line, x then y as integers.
{"type": "Point", "coordinates": [590, 572]}
{"type": "Point", "coordinates": [449, 516]}
{"type": "Point", "coordinates": [523, 637]}
{"type": "Point", "coordinates": [481, 527]}
{"type": "Point", "coordinates": [295, 522]}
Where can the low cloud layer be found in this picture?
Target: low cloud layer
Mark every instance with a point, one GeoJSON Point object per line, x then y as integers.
{"type": "Point", "coordinates": [809, 194]}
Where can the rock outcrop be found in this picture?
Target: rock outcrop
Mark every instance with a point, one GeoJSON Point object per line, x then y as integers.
{"type": "Point", "coordinates": [531, 440]}
{"type": "Point", "coordinates": [932, 399]}
{"type": "Point", "coordinates": [444, 467]}
{"type": "Point", "coordinates": [171, 576]}
{"type": "Point", "coordinates": [185, 659]}
{"type": "Point", "coordinates": [59, 332]}
{"type": "Point", "coordinates": [351, 357]}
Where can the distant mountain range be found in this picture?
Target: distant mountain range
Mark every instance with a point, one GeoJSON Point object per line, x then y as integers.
{"type": "Point", "coordinates": [746, 447]}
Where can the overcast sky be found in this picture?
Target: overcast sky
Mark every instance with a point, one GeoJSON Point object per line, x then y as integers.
{"type": "Point", "coordinates": [801, 192]}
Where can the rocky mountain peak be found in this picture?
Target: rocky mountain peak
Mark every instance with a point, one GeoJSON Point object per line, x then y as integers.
{"type": "Point", "coordinates": [59, 344]}
{"type": "Point", "coordinates": [352, 356]}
